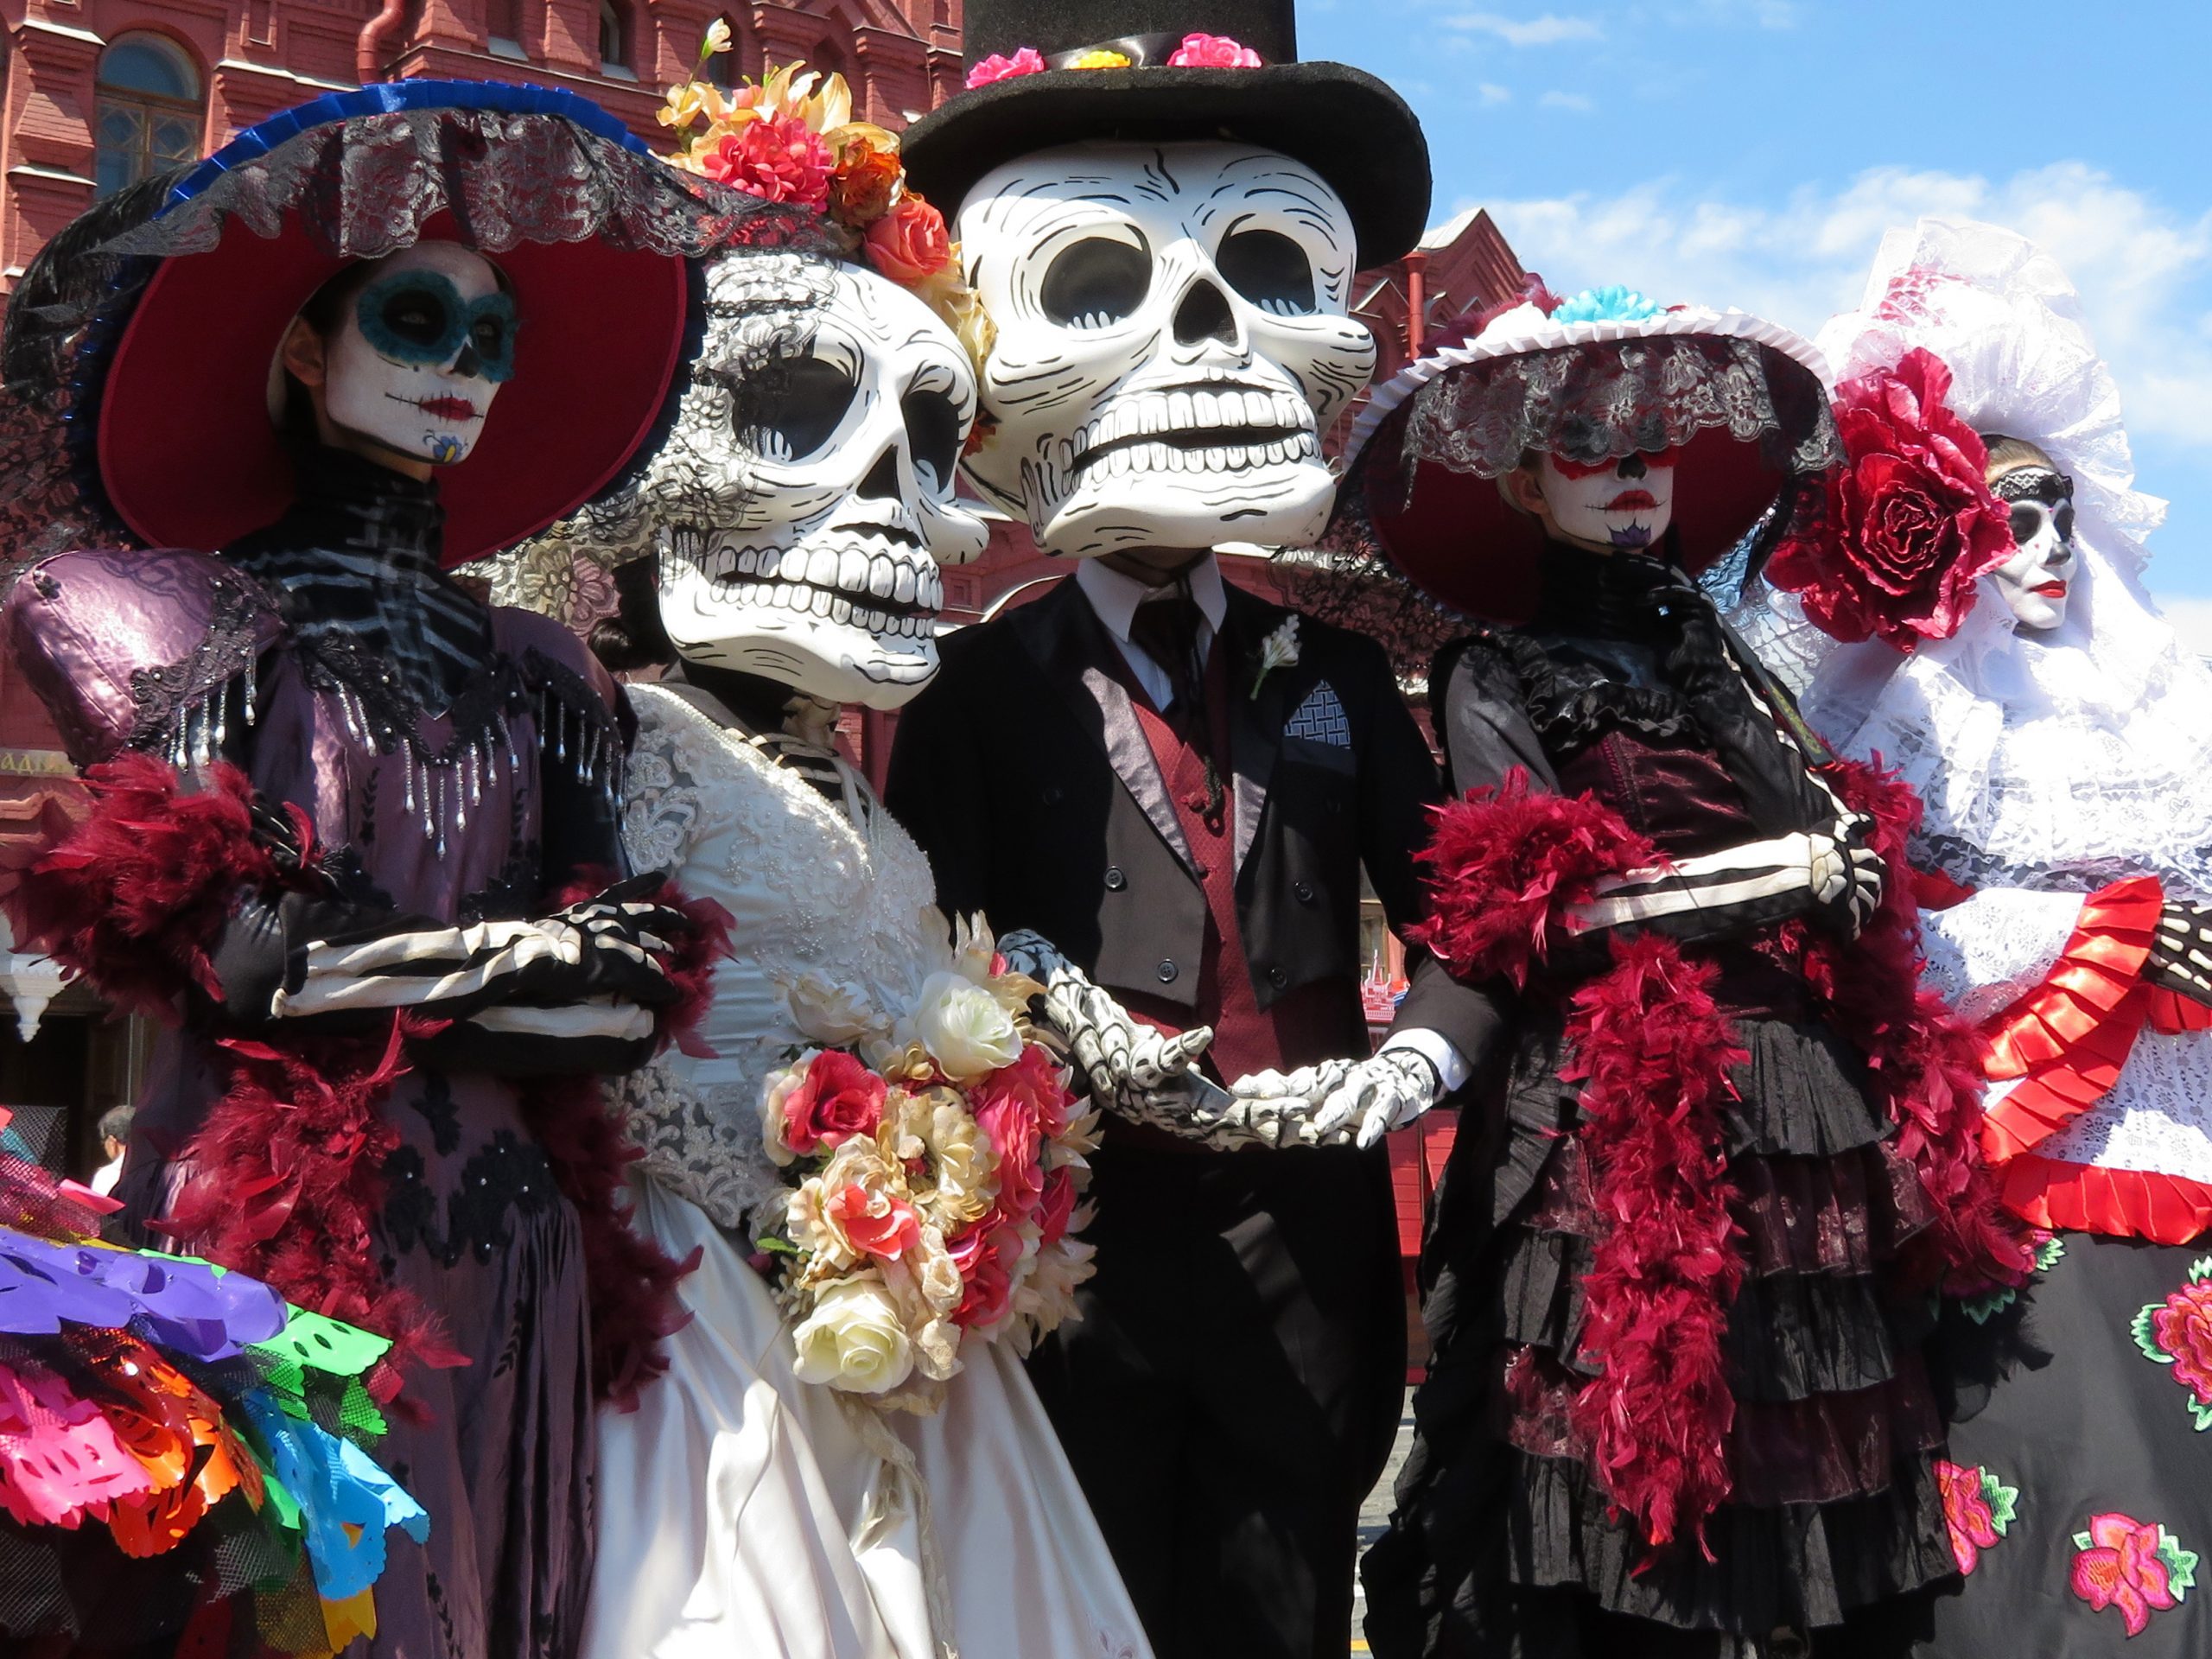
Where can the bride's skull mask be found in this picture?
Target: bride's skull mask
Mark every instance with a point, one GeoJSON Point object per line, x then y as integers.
{"type": "Point", "coordinates": [2036, 581]}
{"type": "Point", "coordinates": [804, 499]}
{"type": "Point", "coordinates": [1172, 340]}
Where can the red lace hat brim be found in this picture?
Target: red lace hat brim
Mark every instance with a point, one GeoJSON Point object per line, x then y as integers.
{"type": "Point", "coordinates": [189, 455]}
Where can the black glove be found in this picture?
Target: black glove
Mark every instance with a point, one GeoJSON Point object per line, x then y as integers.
{"type": "Point", "coordinates": [2181, 951]}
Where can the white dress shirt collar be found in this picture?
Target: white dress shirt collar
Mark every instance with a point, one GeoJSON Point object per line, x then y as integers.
{"type": "Point", "coordinates": [1116, 596]}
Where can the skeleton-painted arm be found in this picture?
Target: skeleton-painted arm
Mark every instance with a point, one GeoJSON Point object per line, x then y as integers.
{"type": "Point", "coordinates": [1832, 871]}
{"type": "Point", "coordinates": [1129, 1063]}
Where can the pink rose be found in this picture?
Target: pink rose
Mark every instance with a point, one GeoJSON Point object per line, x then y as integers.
{"type": "Point", "coordinates": [910, 242]}
{"type": "Point", "coordinates": [1008, 1115]}
{"type": "Point", "coordinates": [2182, 1327]}
{"type": "Point", "coordinates": [1055, 1206]}
{"type": "Point", "coordinates": [837, 1099]}
{"type": "Point", "coordinates": [877, 1223]}
{"type": "Point", "coordinates": [986, 1258]}
{"type": "Point", "coordinates": [1910, 522]}
{"type": "Point", "coordinates": [2121, 1566]}
{"type": "Point", "coordinates": [1212, 52]}
{"type": "Point", "coordinates": [777, 158]}
{"type": "Point", "coordinates": [994, 67]}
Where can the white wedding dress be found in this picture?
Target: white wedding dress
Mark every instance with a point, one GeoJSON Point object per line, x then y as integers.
{"type": "Point", "coordinates": [741, 1511]}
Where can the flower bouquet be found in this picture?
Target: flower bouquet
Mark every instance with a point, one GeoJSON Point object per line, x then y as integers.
{"type": "Point", "coordinates": [935, 1175]}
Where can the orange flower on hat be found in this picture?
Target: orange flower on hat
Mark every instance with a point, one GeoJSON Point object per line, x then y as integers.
{"type": "Point", "coordinates": [910, 243]}
{"type": "Point", "coordinates": [867, 173]}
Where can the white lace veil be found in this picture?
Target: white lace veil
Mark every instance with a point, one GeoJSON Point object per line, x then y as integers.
{"type": "Point", "coordinates": [2060, 760]}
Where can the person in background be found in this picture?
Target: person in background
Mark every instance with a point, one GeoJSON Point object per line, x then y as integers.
{"type": "Point", "coordinates": [115, 1134]}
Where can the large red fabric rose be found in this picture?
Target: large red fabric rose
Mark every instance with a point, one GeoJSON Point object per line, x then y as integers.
{"type": "Point", "coordinates": [777, 158]}
{"type": "Point", "coordinates": [1911, 524]}
{"type": "Point", "coordinates": [837, 1099]}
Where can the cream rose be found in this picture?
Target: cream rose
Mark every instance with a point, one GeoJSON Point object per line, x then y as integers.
{"type": "Point", "coordinates": [854, 1339]}
{"type": "Point", "coordinates": [775, 1088]}
{"type": "Point", "coordinates": [962, 1026]}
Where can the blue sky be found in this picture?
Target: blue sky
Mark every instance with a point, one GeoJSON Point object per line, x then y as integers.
{"type": "Point", "coordinates": [1752, 152]}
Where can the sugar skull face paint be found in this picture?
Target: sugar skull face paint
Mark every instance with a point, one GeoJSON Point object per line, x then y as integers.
{"type": "Point", "coordinates": [2036, 580]}
{"type": "Point", "coordinates": [1624, 504]}
{"type": "Point", "coordinates": [418, 356]}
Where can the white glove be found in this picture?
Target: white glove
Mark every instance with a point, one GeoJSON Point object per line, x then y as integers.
{"type": "Point", "coordinates": [1135, 1070]}
{"type": "Point", "coordinates": [1847, 875]}
{"type": "Point", "coordinates": [1336, 1102]}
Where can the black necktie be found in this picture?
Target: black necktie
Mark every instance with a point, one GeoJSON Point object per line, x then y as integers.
{"type": "Point", "coordinates": [1165, 628]}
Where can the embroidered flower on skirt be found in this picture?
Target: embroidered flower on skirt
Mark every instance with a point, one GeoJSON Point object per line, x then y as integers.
{"type": "Point", "coordinates": [2179, 1332]}
{"type": "Point", "coordinates": [1978, 1509]}
{"type": "Point", "coordinates": [2137, 1567]}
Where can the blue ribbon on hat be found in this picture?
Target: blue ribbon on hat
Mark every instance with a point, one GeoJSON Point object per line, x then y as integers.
{"type": "Point", "coordinates": [393, 97]}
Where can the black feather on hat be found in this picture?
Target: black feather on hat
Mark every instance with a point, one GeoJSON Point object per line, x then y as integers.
{"type": "Point", "coordinates": [1345, 125]}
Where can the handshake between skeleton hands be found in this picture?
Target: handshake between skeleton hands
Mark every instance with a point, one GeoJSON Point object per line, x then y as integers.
{"type": "Point", "coordinates": [1151, 1076]}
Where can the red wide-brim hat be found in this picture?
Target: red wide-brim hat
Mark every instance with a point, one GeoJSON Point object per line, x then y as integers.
{"type": "Point", "coordinates": [1737, 400]}
{"type": "Point", "coordinates": [591, 230]}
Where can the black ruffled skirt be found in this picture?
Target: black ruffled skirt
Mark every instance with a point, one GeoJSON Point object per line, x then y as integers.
{"type": "Point", "coordinates": [1501, 1545]}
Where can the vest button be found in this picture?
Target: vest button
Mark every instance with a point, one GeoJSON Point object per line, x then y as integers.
{"type": "Point", "coordinates": [1303, 891]}
{"type": "Point", "coordinates": [1278, 978]}
{"type": "Point", "coordinates": [1053, 794]}
{"type": "Point", "coordinates": [1115, 880]}
{"type": "Point", "coordinates": [1168, 970]}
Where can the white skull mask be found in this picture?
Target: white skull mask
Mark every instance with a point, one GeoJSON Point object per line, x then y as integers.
{"type": "Point", "coordinates": [2036, 580]}
{"type": "Point", "coordinates": [419, 352]}
{"type": "Point", "coordinates": [803, 498]}
{"type": "Point", "coordinates": [1173, 340]}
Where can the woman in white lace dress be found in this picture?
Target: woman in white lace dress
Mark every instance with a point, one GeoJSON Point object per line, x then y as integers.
{"type": "Point", "coordinates": [2061, 737]}
{"type": "Point", "coordinates": [804, 485]}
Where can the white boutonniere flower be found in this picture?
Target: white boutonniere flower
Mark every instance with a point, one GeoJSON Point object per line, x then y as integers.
{"type": "Point", "coordinates": [1278, 650]}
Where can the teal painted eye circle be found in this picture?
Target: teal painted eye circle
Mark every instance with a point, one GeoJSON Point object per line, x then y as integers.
{"type": "Point", "coordinates": [419, 317]}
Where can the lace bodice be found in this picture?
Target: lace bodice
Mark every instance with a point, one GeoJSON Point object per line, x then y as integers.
{"type": "Point", "coordinates": [834, 930]}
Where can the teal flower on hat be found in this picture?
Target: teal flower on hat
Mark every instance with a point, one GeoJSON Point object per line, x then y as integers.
{"type": "Point", "coordinates": [1613, 304]}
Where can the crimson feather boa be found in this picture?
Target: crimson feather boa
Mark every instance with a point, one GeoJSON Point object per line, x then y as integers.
{"type": "Point", "coordinates": [1653, 1052]}
{"type": "Point", "coordinates": [285, 1175]}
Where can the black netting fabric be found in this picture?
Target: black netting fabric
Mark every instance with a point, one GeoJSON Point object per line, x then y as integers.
{"type": "Point", "coordinates": [1600, 402]}
{"type": "Point", "coordinates": [362, 187]}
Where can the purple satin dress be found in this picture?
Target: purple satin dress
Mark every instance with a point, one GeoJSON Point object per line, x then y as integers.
{"type": "Point", "coordinates": [477, 810]}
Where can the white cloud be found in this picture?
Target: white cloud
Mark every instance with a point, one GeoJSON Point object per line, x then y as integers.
{"type": "Point", "coordinates": [1566, 101]}
{"type": "Point", "coordinates": [1546, 31]}
{"type": "Point", "coordinates": [1491, 93]}
{"type": "Point", "coordinates": [2144, 271]}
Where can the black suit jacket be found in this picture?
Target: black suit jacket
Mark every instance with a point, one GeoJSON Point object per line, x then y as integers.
{"type": "Point", "coordinates": [1024, 774]}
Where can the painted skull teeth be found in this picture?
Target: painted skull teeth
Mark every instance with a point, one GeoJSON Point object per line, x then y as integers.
{"type": "Point", "coordinates": [888, 587]}
{"type": "Point", "coordinates": [1204, 425]}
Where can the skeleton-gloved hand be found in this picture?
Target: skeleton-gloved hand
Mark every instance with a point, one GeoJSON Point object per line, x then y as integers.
{"type": "Point", "coordinates": [1135, 1070]}
{"type": "Point", "coordinates": [614, 946]}
{"type": "Point", "coordinates": [2181, 951]}
{"type": "Point", "coordinates": [1847, 875]}
{"type": "Point", "coordinates": [1331, 1103]}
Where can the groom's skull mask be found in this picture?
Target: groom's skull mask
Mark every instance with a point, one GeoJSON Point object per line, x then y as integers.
{"type": "Point", "coordinates": [1173, 340]}
{"type": "Point", "coordinates": [804, 495]}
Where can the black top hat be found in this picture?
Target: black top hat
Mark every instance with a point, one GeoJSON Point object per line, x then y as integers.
{"type": "Point", "coordinates": [1346, 125]}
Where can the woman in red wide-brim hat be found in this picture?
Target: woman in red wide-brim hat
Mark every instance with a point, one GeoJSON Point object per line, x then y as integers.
{"type": "Point", "coordinates": [1680, 1255]}
{"type": "Point", "coordinates": [351, 829]}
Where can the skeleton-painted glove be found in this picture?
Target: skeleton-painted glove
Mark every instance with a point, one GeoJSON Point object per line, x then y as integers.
{"type": "Point", "coordinates": [610, 948]}
{"type": "Point", "coordinates": [1127, 1062]}
{"type": "Point", "coordinates": [1847, 875]}
{"type": "Point", "coordinates": [1331, 1103]}
{"type": "Point", "coordinates": [2181, 951]}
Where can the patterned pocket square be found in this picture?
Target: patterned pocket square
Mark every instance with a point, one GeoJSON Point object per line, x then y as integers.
{"type": "Point", "coordinates": [1321, 718]}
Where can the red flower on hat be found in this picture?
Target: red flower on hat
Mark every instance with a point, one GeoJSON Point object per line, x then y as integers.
{"type": "Point", "coordinates": [1212, 52]}
{"type": "Point", "coordinates": [1911, 524]}
{"type": "Point", "coordinates": [776, 158]}
{"type": "Point", "coordinates": [1024, 62]}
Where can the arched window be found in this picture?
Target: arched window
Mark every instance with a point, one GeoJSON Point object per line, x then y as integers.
{"type": "Point", "coordinates": [726, 68]}
{"type": "Point", "coordinates": [149, 114]}
{"type": "Point", "coordinates": [613, 35]}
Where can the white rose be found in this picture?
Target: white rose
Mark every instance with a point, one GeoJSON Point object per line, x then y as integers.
{"type": "Point", "coordinates": [854, 1340]}
{"type": "Point", "coordinates": [809, 1225]}
{"type": "Point", "coordinates": [962, 1027]}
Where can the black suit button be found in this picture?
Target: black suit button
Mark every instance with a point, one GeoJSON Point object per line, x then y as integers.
{"type": "Point", "coordinates": [1053, 794]}
{"type": "Point", "coordinates": [1278, 978]}
{"type": "Point", "coordinates": [1303, 892]}
{"type": "Point", "coordinates": [1115, 880]}
{"type": "Point", "coordinates": [1167, 971]}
